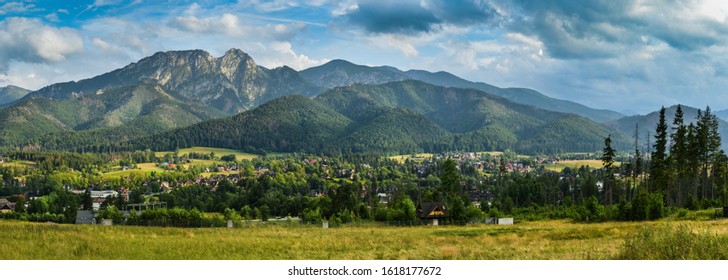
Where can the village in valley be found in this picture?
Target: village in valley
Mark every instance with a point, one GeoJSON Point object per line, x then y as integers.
{"type": "Point", "coordinates": [375, 182]}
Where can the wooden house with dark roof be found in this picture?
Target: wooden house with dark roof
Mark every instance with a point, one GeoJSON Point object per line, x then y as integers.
{"type": "Point", "coordinates": [431, 210]}
{"type": "Point", "coordinates": [6, 206]}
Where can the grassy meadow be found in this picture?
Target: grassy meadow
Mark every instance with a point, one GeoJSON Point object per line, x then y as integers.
{"type": "Point", "coordinates": [575, 164]}
{"type": "Point", "coordinates": [529, 240]}
{"type": "Point", "coordinates": [20, 163]}
{"type": "Point", "coordinates": [417, 157]}
{"type": "Point", "coordinates": [206, 150]}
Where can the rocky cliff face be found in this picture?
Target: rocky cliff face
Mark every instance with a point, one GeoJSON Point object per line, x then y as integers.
{"type": "Point", "coordinates": [231, 83]}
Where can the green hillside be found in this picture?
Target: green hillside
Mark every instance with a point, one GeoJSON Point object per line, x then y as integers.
{"type": "Point", "coordinates": [394, 118]}
{"type": "Point", "coordinates": [119, 113]}
{"type": "Point", "coordinates": [288, 124]}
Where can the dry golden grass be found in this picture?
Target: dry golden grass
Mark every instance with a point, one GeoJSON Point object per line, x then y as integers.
{"type": "Point", "coordinates": [575, 164]}
{"type": "Point", "coordinates": [530, 240]}
{"type": "Point", "coordinates": [218, 152]}
{"type": "Point", "coordinates": [144, 168]}
{"type": "Point", "coordinates": [21, 163]}
{"type": "Point", "coordinates": [417, 157]}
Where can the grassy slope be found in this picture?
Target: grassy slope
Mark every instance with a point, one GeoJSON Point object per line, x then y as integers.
{"type": "Point", "coordinates": [530, 240]}
{"type": "Point", "coordinates": [575, 164]}
{"type": "Point", "coordinates": [218, 152]}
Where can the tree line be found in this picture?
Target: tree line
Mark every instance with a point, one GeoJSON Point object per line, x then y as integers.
{"type": "Point", "coordinates": [687, 165]}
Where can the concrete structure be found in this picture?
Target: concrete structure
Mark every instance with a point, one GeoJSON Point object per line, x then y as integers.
{"type": "Point", "coordinates": [505, 221]}
{"type": "Point", "coordinates": [86, 217]}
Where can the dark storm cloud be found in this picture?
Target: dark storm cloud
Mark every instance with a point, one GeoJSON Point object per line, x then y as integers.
{"type": "Point", "coordinates": [404, 17]}
{"type": "Point", "coordinates": [595, 29]}
{"type": "Point", "coordinates": [411, 17]}
{"type": "Point", "coordinates": [464, 12]}
{"type": "Point", "coordinates": [576, 29]}
{"type": "Point", "coordinates": [568, 29]}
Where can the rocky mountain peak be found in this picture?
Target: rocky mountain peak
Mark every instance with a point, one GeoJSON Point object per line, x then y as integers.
{"type": "Point", "coordinates": [231, 83]}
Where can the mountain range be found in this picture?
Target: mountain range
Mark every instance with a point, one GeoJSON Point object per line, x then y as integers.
{"type": "Point", "coordinates": [380, 109]}
{"type": "Point", "coordinates": [342, 73]}
{"type": "Point", "coordinates": [647, 123]}
{"type": "Point", "coordinates": [11, 93]}
{"type": "Point", "coordinates": [393, 118]}
{"type": "Point", "coordinates": [232, 83]}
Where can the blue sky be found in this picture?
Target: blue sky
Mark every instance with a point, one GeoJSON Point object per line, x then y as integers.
{"type": "Point", "coordinates": [620, 55]}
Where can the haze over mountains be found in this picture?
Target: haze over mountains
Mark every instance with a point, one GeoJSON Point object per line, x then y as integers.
{"type": "Point", "coordinates": [397, 117]}
{"type": "Point", "coordinates": [335, 107]}
{"type": "Point", "coordinates": [648, 123]}
{"type": "Point", "coordinates": [342, 73]}
{"type": "Point", "coordinates": [11, 93]}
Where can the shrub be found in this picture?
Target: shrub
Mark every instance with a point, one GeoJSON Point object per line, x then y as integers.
{"type": "Point", "coordinates": [674, 243]}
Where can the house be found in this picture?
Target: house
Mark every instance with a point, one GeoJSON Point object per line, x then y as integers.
{"type": "Point", "coordinates": [383, 198]}
{"type": "Point", "coordinates": [431, 210]}
{"type": "Point", "coordinates": [6, 206]}
{"type": "Point", "coordinates": [103, 194]}
{"type": "Point", "coordinates": [86, 217]}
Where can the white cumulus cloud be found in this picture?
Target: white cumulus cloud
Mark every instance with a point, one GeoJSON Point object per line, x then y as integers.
{"type": "Point", "coordinates": [30, 40]}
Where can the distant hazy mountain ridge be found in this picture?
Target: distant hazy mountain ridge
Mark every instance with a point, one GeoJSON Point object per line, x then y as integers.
{"type": "Point", "coordinates": [11, 93]}
{"type": "Point", "coordinates": [397, 117]}
{"type": "Point", "coordinates": [343, 73]}
{"type": "Point", "coordinates": [367, 109]}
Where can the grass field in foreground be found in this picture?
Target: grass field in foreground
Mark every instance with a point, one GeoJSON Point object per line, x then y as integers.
{"type": "Point", "coordinates": [528, 240]}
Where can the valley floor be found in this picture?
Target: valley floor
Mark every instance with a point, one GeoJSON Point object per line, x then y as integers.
{"type": "Point", "coordinates": [528, 240]}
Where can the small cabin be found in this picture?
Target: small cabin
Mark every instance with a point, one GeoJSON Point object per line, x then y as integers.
{"type": "Point", "coordinates": [431, 210]}
{"type": "Point", "coordinates": [6, 206]}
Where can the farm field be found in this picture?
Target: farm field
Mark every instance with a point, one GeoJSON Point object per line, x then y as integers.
{"type": "Point", "coordinates": [417, 157]}
{"type": "Point", "coordinates": [206, 150]}
{"type": "Point", "coordinates": [21, 163]}
{"type": "Point", "coordinates": [529, 240]}
{"type": "Point", "coordinates": [144, 168]}
{"type": "Point", "coordinates": [592, 163]}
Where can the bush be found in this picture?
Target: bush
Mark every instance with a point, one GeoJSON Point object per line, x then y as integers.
{"type": "Point", "coordinates": [674, 243]}
{"type": "Point", "coordinates": [655, 207]}
{"type": "Point", "coordinates": [494, 213]}
{"type": "Point", "coordinates": [312, 215]}
{"type": "Point", "coordinates": [682, 213]}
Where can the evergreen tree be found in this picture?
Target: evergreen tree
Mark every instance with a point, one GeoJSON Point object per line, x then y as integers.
{"type": "Point", "coordinates": [607, 161]}
{"type": "Point", "coordinates": [714, 142]}
{"type": "Point", "coordinates": [678, 154]}
{"type": "Point", "coordinates": [451, 186]}
{"type": "Point", "coordinates": [693, 165]}
{"type": "Point", "coordinates": [450, 177]}
{"type": "Point", "coordinates": [637, 166]}
{"type": "Point", "coordinates": [87, 202]}
{"type": "Point", "coordinates": [658, 172]}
